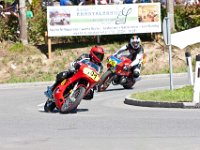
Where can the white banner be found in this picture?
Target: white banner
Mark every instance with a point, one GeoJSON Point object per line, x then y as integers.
{"type": "Point", "coordinates": [103, 19]}
{"type": "Point", "coordinates": [185, 38]}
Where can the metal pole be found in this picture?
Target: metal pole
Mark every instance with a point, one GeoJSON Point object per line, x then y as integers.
{"type": "Point", "coordinates": [170, 62]}
{"type": "Point", "coordinates": [170, 10]}
{"type": "Point", "coordinates": [98, 39]}
{"type": "Point", "coordinates": [170, 51]}
{"type": "Point", "coordinates": [98, 36]}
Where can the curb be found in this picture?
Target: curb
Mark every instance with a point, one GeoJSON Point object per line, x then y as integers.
{"type": "Point", "coordinates": [143, 103]}
{"type": "Point", "coordinates": [24, 85]}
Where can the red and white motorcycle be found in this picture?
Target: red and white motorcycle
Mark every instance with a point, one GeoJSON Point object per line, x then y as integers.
{"type": "Point", "coordinates": [117, 73]}
{"type": "Point", "coordinates": [68, 94]}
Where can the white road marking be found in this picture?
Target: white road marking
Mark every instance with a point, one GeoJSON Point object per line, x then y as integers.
{"type": "Point", "coordinates": [40, 105]}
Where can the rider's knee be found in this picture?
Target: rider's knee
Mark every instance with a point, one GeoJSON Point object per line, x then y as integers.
{"type": "Point", "coordinates": [136, 72]}
{"type": "Point", "coordinates": [61, 76]}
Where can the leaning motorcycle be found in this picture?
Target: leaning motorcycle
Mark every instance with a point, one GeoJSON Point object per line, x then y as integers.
{"type": "Point", "coordinates": [117, 73]}
{"type": "Point", "coordinates": [68, 94]}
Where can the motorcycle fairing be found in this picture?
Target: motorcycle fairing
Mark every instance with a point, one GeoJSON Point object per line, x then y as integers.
{"type": "Point", "coordinates": [85, 76]}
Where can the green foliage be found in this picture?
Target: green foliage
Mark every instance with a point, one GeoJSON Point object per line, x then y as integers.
{"type": "Point", "coordinates": [180, 69]}
{"type": "Point", "coordinates": [183, 94]}
{"type": "Point", "coordinates": [163, 13]}
{"type": "Point", "coordinates": [58, 52]}
{"type": "Point", "coordinates": [187, 17]}
{"type": "Point", "coordinates": [43, 76]}
{"type": "Point", "coordinates": [8, 28]}
{"type": "Point", "coordinates": [2, 24]}
{"type": "Point", "coordinates": [37, 25]}
{"type": "Point", "coordinates": [15, 79]}
{"type": "Point", "coordinates": [9, 1]}
{"type": "Point", "coordinates": [17, 47]}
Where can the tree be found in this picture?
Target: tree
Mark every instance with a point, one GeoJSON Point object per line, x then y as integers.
{"type": "Point", "coordinates": [23, 22]}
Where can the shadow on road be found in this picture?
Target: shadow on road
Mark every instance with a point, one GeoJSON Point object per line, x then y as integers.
{"type": "Point", "coordinates": [73, 112]}
{"type": "Point", "coordinates": [118, 89]}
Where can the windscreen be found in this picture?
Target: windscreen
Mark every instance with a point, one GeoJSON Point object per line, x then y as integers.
{"type": "Point", "coordinates": [91, 64]}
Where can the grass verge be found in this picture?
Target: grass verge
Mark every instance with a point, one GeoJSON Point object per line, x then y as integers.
{"type": "Point", "coordinates": [184, 94]}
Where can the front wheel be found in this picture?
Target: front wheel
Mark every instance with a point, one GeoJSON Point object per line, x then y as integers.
{"type": "Point", "coordinates": [130, 83]}
{"type": "Point", "coordinates": [105, 81]}
{"type": "Point", "coordinates": [72, 102]}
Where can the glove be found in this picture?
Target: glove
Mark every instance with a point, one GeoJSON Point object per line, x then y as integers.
{"type": "Point", "coordinates": [126, 68]}
{"type": "Point", "coordinates": [77, 66]}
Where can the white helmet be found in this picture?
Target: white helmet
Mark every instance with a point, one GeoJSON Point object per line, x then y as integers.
{"type": "Point", "coordinates": [135, 42]}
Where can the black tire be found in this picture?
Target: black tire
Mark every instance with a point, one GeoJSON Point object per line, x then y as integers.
{"type": "Point", "coordinates": [130, 83]}
{"type": "Point", "coordinates": [49, 106]}
{"type": "Point", "coordinates": [69, 106]}
{"type": "Point", "coordinates": [105, 81]}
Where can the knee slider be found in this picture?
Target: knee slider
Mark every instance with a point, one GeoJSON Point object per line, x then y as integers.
{"type": "Point", "coordinates": [61, 76]}
{"type": "Point", "coordinates": [136, 73]}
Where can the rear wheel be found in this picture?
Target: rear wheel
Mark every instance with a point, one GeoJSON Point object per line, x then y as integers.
{"type": "Point", "coordinates": [72, 103]}
{"type": "Point", "coordinates": [105, 81]}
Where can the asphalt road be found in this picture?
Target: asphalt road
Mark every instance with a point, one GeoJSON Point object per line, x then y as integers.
{"type": "Point", "coordinates": [105, 123]}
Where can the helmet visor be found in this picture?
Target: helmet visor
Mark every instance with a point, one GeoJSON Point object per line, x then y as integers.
{"type": "Point", "coordinates": [135, 43]}
{"type": "Point", "coordinates": [99, 56]}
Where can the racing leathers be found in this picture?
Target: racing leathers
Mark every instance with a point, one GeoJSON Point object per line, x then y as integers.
{"type": "Point", "coordinates": [70, 72]}
{"type": "Point", "coordinates": [135, 55]}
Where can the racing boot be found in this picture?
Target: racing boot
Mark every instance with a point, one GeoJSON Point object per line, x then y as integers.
{"type": "Point", "coordinates": [49, 93]}
{"type": "Point", "coordinates": [90, 95]}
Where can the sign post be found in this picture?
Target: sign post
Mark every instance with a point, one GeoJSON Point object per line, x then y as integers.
{"type": "Point", "coordinates": [196, 88]}
{"type": "Point", "coordinates": [167, 39]}
{"type": "Point", "coordinates": [189, 66]}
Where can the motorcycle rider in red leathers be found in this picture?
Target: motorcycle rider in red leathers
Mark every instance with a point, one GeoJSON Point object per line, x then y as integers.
{"type": "Point", "coordinates": [135, 52]}
{"type": "Point", "coordinates": [96, 56]}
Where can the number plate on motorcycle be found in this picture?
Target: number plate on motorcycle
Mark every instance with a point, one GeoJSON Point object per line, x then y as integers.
{"type": "Point", "coordinates": [112, 62]}
{"type": "Point", "coordinates": [91, 74]}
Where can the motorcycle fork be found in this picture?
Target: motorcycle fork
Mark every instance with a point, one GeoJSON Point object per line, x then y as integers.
{"type": "Point", "coordinates": [72, 92]}
{"type": "Point", "coordinates": [111, 78]}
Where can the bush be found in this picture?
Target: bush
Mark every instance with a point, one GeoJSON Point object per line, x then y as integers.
{"type": "Point", "coordinates": [187, 17]}
{"type": "Point", "coordinates": [38, 24]}
{"type": "Point", "coordinates": [9, 27]}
